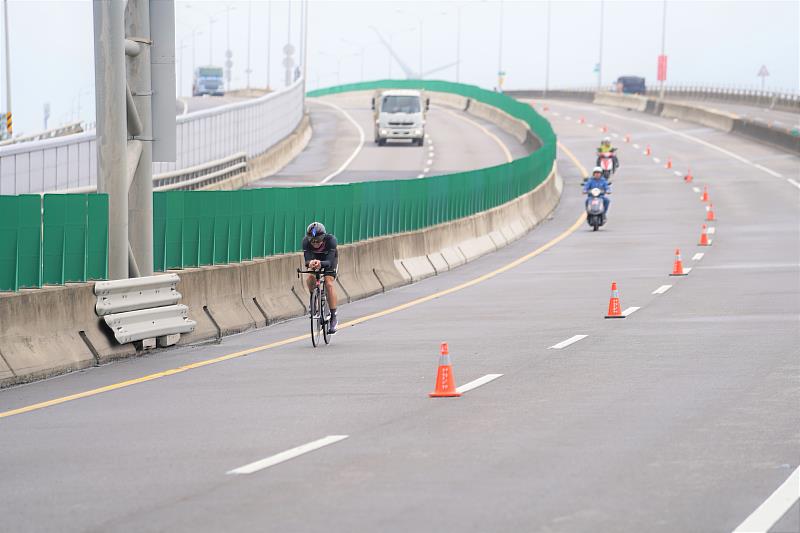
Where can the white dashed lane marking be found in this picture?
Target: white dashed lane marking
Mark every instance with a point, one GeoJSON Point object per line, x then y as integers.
{"type": "Point", "coordinates": [662, 289]}
{"type": "Point", "coordinates": [636, 146]}
{"type": "Point", "coordinates": [288, 454]}
{"type": "Point", "coordinates": [657, 160]}
{"type": "Point", "coordinates": [477, 383]}
{"type": "Point", "coordinates": [571, 340]}
{"type": "Point", "coordinates": [630, 310]}
{"type": "Point", "coordinates": [698, 256]}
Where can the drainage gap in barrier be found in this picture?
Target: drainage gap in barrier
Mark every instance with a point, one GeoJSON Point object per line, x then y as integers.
{"type": "Point", "coordinates": [91, 347]}
{"type": "Point", "coordinates": [383, 287]}
{"type": "Point", "coordinates": [435, 270]}
{"type": "Point", "coordinates": [466, 107]}
{"type": "Point", "coordinates": [302, 303]}
{"type": "Point", "coordinates": [347, 294]}
{"type": "Point", "coordinates": [407, 272]}
{"type": "Point", "coordinates": [261, 309]}
{"type": "Point", "coordinates": [446, 262]}
{"type": "Point", "coordinates": [3, 357]}
{"type": "Point", "coordinates": [213, 321]}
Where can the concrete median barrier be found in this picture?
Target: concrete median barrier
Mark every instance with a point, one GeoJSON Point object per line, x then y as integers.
{"type": "Point", "coordinates": [624, 101]}
{"type": "Point", "coordinates": [51, 331]}
{"type": "Point", "coordinates": [712, 118]}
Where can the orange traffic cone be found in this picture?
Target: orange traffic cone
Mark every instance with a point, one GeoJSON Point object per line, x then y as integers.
{"type": "Point", "coordinates": [704, 197]}
{"type": "Point", "coordinates": [445, 382]}
{"type": "Point", "coordinates": [647, 150]}
{"type": "Point", "coordinates": [710, 213]}
{"type": "Point", "coordinates": [677, 269]}
{"type": "Point", "coordinates": [614, 310]}
{"type": "Point", "coordinates": [627, 138]}
{"type": "Point", "coordinates": [545, 108]}
{"type": "Point", "coordinates": [688, 177]}
{"type": "Point", "coordinates": [582, 120]}
{"type": "Point", "coordinates": [669, 163]}
{"type": "Point", "coordinates": [704, 240]}
{"type": "Point", "coordinates": [604, 129]}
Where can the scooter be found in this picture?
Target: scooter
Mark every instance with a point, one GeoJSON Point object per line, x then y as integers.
{"type": "Point", "coordinates": [605, 161]}
{"type": "Point", "coordinates": [595, 208]}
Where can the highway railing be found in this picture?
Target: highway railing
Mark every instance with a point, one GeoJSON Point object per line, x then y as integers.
{"type": "Point", "coordinates": [196, 228]}
{"type": "Point", "coordinates": [52, 239]}
{"type": "Point", "coordinates": [69, 162]}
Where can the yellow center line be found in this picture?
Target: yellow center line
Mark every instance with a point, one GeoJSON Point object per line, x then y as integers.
{"type": "Point", "coordinates": [291, 340]}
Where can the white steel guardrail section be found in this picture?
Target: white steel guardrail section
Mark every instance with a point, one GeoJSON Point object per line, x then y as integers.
{"type": "Point", "coordinates": [211, 135]}
{"type": "Point", "coordinates": [143, 308]}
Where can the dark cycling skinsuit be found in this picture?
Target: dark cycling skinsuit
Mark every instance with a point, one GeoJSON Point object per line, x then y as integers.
{"type": "Point", "coordinates": [327, 254]}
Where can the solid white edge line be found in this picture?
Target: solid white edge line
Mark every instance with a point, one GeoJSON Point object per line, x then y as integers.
{"type": "Point", "coordinates": [288, 454]}
{"type": "Point", "coordinates": [494, 137]}
{"type": "Point", "coordinates": [571, 340]}
{"type": "Point", "coordinates": [662, 289]}
{"type": "Point", "coordinates": [767, 170]}
{"type": "Point", "coordinates": [793, 182]}
{"type": "Point", "coordinates": [768, 513]}
{"type": "Point", "coordinates": [698, 256]}
{"type": "Point", "coordinates": [355, 152]}
{"type": "Point", "coordinates": [477, 383]}
{"type": "Point", "coordinates": [630, 310]}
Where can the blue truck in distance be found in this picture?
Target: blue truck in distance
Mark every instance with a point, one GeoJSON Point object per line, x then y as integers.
{"type": "Point", "coordinates": [208, 80]}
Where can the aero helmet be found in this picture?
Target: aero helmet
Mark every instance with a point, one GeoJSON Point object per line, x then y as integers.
{"type": "Point", "coordinates": [315, 229]}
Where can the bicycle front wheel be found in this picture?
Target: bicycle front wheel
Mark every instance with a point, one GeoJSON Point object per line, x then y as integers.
{"type": "Point", "coordinates": [316, 318]}
{"type": "Point", "coordinates": [324, 318]}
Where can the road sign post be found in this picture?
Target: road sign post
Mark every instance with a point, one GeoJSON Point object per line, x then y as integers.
{"type": "Point", "coordinates": [763, 73]}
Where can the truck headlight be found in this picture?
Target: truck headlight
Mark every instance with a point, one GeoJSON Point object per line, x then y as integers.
{"type": "Point", "coordinates": [417, 132]}
{"type": "Point", "coordinates": [384, 132]}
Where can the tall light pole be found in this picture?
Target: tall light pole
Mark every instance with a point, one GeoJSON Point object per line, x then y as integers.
{"type": "Point", "coordinates": [600, 58]}
{"type": "Point", "coordinates": [8, 70]}
{"type": "Point", "coordinates": [269, 42]}
{"type": "Point", "coordinates": [547, 53]}
{"type": "Point", "coordinates": [458, 43]}
{"type": "Point", "coordinates": [305, 46]}
{"type": "Point", "coordinates": [663, 43]}
{"type": "Point", "coordinates": [249, 42]}
{"type": "Point", "coordinates": [361, 51]}
{"type": "Point", "coordinates": [421, 34]}
{"type": "Point", "coordinates": [500, 72]}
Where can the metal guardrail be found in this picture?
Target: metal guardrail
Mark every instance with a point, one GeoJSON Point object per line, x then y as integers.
{"type": "Point", "coordinates": [189, 179]}
{"type": "Point", "coordinates": [203, 137]}
{"type": "Point", "coordinates": [143, 308]}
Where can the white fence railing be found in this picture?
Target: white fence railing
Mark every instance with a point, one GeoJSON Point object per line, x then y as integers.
{"type": "Point", "coordinates": [70, 162]}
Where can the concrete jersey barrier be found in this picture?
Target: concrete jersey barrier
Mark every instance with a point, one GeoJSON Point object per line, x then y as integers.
{"type": "Point", "coordinates": [55, 330]}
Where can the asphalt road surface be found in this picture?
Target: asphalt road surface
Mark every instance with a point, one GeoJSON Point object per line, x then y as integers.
{"type": "Point", "coordinates": [681, 417]}
{"type": "Point", "coordinates": [342, 150]}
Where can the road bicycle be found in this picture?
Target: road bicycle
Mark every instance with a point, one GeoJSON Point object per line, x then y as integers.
{"type": "Point", "coordinates": [318, 307]}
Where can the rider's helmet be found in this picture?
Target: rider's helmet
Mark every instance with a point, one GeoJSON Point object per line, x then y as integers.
{"type": "Point", "coordinates": [606, 141]}
{"type": "Point", "coordinates": [315, 231]}
{"type": "Point", "coordinates": [597, 170]}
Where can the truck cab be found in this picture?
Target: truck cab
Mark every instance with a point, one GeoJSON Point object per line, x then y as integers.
{"type": "Point", "coordinates": [399, 114]}
{"type": "Point", "coordinates": [208, 80]}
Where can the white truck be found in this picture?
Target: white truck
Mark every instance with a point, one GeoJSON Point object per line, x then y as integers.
{"type": "Point", "coordinates": [399, 114]}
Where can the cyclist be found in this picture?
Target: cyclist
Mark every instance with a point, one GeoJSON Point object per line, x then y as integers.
{"type": "Point", "coordinates": [319, 251]}
{"type": "Point", "coordinates": [604, 150]}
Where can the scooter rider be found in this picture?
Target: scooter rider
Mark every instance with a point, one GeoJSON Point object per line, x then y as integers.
{"type": "Point", "coordinates": [606, 148]}
{"type": "Point", "coordinates": [597, 180]}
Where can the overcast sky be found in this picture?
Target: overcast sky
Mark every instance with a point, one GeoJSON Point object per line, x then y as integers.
{"type": "Point", "coordinates": [708, 43]}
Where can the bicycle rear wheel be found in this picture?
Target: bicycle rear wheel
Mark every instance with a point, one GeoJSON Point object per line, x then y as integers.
{"type": "Point", "coordinates": [316, 320]}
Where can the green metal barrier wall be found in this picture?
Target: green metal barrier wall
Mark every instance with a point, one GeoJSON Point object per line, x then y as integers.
{"type": "Point", "coordinates": [53, 239]}
{"type": "Point", "coordinates": [195, 228]}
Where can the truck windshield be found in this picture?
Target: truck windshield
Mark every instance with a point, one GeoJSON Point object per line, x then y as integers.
{"type": "Point", "coordinates": [209, 72]}
{"type": "Point", "coordinates": [400, 104]}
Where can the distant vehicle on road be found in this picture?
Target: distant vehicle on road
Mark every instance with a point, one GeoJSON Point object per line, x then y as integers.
{"type": "Point", "coordinates": [630, 85]}
{"type": "Point", "coordinates": [399, 114]}
{"type": "Point", "coordinates": [208, 80]}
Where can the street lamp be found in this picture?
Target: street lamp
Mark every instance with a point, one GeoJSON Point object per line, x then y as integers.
{"type": "Point", "coordinates": [362, 49]}
{"type": "Point", "coordinates": [338, 65]}
{"type": "Point", "coordinates": [7, 123]}
{"type": "Point", "coordinates": [421, 28]}
{"type": "Point", "coordinates": [391, 46]}
{"type": "Point", "coordinates": [211, 22]}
